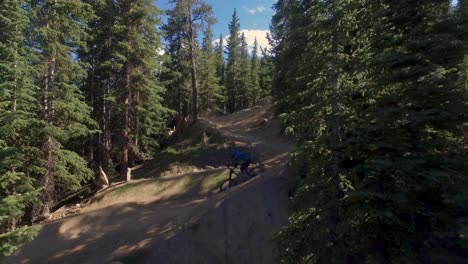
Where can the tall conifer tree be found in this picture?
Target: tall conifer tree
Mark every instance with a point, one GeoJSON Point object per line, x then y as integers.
{"type": "Point", "coordinates": [140, 92]}
{"type": "Point", "coordinates": [210, 90]}
{"type": "Point", "coordinates": [190, 18]}
{"type": "Point", "coordinates": [19, 125]}
{"type": "Point", "coordinates": [245, 87]}
{"type": "Point", "coordinates": [254, 83]}
{"type": "Point", "coordinates": [233, 67]}
{"type": "Point", "coordinates": [220, 70]}
{"type": "Point", "coordinates": [61, 31]}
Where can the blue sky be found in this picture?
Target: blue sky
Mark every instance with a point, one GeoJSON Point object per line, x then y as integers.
{"type": "Point", "coordinates": [254, 16]}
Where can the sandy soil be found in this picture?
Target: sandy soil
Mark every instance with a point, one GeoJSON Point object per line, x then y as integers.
{"type": "Point", "coordinates": [182, 225]}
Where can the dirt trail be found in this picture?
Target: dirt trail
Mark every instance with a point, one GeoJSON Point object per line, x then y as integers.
{"type": "Point", "coordinates": [230, 227]}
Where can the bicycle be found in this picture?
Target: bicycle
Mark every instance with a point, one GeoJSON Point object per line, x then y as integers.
{"type": "Point", "coordinates": [230, 182]}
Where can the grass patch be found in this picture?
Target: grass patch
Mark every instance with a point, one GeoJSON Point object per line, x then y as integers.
{"type": "Point", "coordinates": [214, 180]}
{"type": "Point", "coordinates": [136, 257]}
{"type": "Point", "coordinates": [126, 188]}
{"type": "Point", "coordinates": [183, 158]}
{"type": "Point", "coordinates": [144, 188]}
{"type": "Point", "coordinates": [207, 181]}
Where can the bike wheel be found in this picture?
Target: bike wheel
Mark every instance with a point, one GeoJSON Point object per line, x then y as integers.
{"type": "Point", "coordinates": [227, 184]}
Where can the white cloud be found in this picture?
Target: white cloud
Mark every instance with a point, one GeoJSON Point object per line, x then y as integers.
{"type": "Point", "coordinates": [259, 9]}
{"type": "Point", "coordinates": [250, 35]}
{"type": "Point", "coordinates": [261, 36]}
{"type": "Point", "coordinates": [251, 11]}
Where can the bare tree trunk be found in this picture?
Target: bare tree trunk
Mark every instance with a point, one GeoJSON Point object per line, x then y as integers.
{"type": "Point", "coordinates": [13, 96]}
{"type": "Point", "coordinates": [92, 142]}
{"type": "Point", "coordinates": [105, 138]}
{"type": "Point", "coordinates": [136, 126]}
{"type": "Point", "coordinates": [47, 180]}
{"type": "Point", "coordinates": [125, 131]}
{"type": "Point", "coordinates": [179, 100]}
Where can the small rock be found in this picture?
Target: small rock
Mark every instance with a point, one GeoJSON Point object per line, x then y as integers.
{"type": "Point", "coordinates": [264, 121]}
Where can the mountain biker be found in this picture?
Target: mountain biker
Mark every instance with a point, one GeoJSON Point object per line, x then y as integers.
{"type": "Point", "coordinates": [239, 156]}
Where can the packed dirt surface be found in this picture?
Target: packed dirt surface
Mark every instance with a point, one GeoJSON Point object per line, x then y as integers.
{"type": "Point", "coordinates": [179, 218]}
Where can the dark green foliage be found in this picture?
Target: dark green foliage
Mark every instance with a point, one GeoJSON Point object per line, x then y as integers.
{"type": "Point", "coordinates": [59, 28]}
{"type": "Point", "coordinates": [371, 91]}
{"type": "Point", "coordinates": [19, 126]}
{"type": "Point", "coordinates": [211, 96]}
{"type": "Point", "coordinates": [233, 67]}
{"type": "Point", "coordinates": [138, 49]}
{"type": "Point", "coordinates": [220, 70]}
{"type": "Point", "coordinates": [254, 75]}
{"type": "Point", "coordinates": [265, 74]}
{"type": "Point", "coordinates": [242, 78]}
{"type": "Point", "coordinates": [186, 21]}
{"type": "Point", "coordinates": [176, 77]}
{"type": "Point", "coordinates": [461, 13]}
{"type": "Point", "coordinates": [244, 89]}
{"type": "Point", "coordinates": [123, 85]}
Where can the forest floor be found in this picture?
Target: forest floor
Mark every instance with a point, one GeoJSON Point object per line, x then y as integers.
{"type": "Point", "coordinates": [173, 212]}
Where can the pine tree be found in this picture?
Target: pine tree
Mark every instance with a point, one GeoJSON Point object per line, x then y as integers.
{"type": "Point", "coordinates": [254, 74]}
{"type": "Point", "coordinates": [419, 167]}
{"type": "Point", "coordinates": [19, 126]}
{"type": "Point", "coordinates": [245, 87]}
{"type": "Point", "coordinates": [220, 70]}
{"type": "Point", "coordinates": [140, 92]}
{"type": "Point", "coordinates": [191, 17]}
{"type": "Point", "coordinates": [210, 90]}
{"type": "Point", "coordinates": [178, 66]}
{"type": "Point", "coordinates": [265, 74]}
{"type": "Point", "coordinates": [100, 60]}
{"type": "Point", "coordinates": [60, 26]}
{"type": "Point", "coordinates": [233, 85]}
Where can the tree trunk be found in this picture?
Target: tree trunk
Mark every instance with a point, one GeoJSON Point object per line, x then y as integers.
{"type": "Point", "coordinates": [194, 90]}
{"type": "Point", "coordinates": [135, 124]}
{"type": "Point", "coordinates": [92, 142]}
{"type": "Point", "coordinates": [105, 140]}
{"type": "Point", "coordinates": [126, 127]}
{"type": "Point", "coordinates": [193, 69]}
{"type": "Point", "coordinates": [13, 96]}
{"type": "Point", "coordinates": [47, 180]}
{"type": "Point", "coordinates": [106, 110]}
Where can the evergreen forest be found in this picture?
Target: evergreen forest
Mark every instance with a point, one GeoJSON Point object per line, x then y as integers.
{"type": "Point", "coordinates": [374, 94]}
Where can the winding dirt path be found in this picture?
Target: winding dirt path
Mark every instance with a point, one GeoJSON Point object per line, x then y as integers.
{"type": "Point", "coordinates": [230, 227]}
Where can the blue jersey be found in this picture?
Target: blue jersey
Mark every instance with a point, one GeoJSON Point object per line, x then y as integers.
{"type": "Point", "coordinates": [237, 155]}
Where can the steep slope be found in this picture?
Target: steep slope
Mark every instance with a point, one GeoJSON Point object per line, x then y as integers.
{"type": "Point", "coordinates": [181, 218]}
